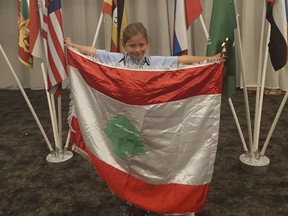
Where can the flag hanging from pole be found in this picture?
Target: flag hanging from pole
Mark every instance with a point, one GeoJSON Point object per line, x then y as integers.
{"type": "Point", "coordinates": [24, 33]}
{"type": "Point", "coordinates": [53, 33]}
{"type": "Point", "coordinates": [277, 16]}
{"type": "Point", "coordinates": [140, 128]}
{"type": "Point", "coordinates": [185, 13]}
{"type": "Point", "coordinates": [117, 10]}
{"type": "Point", "coordinates": [35, 35]}
{"type": "Point", "coordinates": [222, 26]}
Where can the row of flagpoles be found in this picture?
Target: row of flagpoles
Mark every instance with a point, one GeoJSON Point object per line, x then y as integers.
{"type": "Point", "coordinates": [224, 22]}
{"type": "Point", "coordinates": [41, 36]}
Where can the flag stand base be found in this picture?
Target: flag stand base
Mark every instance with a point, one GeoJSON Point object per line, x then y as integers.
{"type": "Point", "coordinates": [254, 165]}
{"type": "Point", "coordinates": [59, 160]}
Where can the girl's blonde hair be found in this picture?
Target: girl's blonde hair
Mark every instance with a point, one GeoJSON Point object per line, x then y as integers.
{"type": "Point", "coordinates": [132, 30]}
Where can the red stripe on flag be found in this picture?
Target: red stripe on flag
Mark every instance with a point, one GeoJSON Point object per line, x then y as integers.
{"type": "Point", "coordinates": [107, 8]}
{"type": "Point", "coordinates": [55, 46]}
{"type": "Point", "coordinates": [165, 198]}
{"type": "Point", "coordinates": [114, 48]}
{"type": "Point", "coordinates": [58, 45]}
{"type": "Point", "coordinates": [54, 75]}
{"type": "Point", "coordinates": [34, 24]}
{"type": "Point", "coordinates": [150, 87]}
{"type": "Point", "coordinates": [193, 9]}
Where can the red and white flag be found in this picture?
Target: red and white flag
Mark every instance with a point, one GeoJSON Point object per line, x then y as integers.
{"type": "Point", "coordinates": [185, 13]}
{"type": "Point", "coordinates": [35, 35]}
{"type": "Point", "coordinates": [151, 135]}
{"type": "Point", "coordinates": [53, 33]}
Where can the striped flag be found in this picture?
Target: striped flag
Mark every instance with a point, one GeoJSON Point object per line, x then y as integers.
{"type": "Point", "coordinates": [53, 33]}
{"type": "Point", "coordinates": [117, 10]}
{"type": "Point", "coordinates": [277, 16]}
{"type": "Point", "coordinates": [35, 35]}
{"type": "Point", "coordinates": [185, 13]}
{"type": "Point", "coordinates": [140, 128]}
{"type": "Point", "coordinates": [23, 33]}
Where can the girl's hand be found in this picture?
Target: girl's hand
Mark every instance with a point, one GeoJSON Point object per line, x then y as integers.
{"type": "Point", "coordinates": [219, 57]}
{"type": "Point", "coordinates": [68, 42]}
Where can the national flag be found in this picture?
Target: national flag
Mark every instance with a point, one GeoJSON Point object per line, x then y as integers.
{"type": "Point", "coordinates": [117, 10]}
{"type": "Point", "coordinates": [222, 26]}
{"type": "Point", "coordinates": [53, 33]}
{"type": "Point", "coordinates": [35, 36]}
{"type": "Point", "coordinates": [185, 13]}
{"type": "Point", "coordinates": [24, 33]}
{"type": "Point", "coordinates": [140, 128]}
{"type": "Point", "coordinates": [277, 17]}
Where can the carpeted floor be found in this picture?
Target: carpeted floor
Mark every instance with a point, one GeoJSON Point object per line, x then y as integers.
{"type": "Point", "coordinates": [29, 186]}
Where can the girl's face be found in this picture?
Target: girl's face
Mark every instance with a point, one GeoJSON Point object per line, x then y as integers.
{"type": "Point", "coordinates": [136, 46]}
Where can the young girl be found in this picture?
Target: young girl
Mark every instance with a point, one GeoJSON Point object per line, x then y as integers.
{"type": "Point", "coordinates": [135, 41]}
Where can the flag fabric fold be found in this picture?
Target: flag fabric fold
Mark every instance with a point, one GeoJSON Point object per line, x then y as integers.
{"type": "Point", "coordinates": [140, 129]}
{"type": "Point", "coordinates": [117, 10]}
{"type": "Point", "coordinates": [185, 13]}
{"type": "Point", "coordinates": [53, 33]}
{"type": "Point", "coordinates": [222, 26]}
{"type": "Point", "coordinates": [277, 16]}
{"type": "Point", "coordinates": [35, 36]}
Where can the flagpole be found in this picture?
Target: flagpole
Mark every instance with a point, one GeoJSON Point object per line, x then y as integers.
{"type": "Point", "coordinates": [60, 122]}
{"type": "Point", "coordinates": [97, 29]}
{"type": "Point", "coordinates": [49, 104]}
{"type": "Point", "coordinates": [257, 164]}
{"type": "Point", "coordinates": [262, 153]}
{"type": "Point", "coordinates": [284, 100]}
{"type": "Point", "coordinates": [248, 117]}
{"type": "Point", "coordinates": [50, 99]}
{"type": "Point", "coordinates": [27, 101]}
{"type": "Point", "coordinates": [67, 155]}
{"type": "Point", "coordinates": [260, 83]}
{"type": "Point", "coordinates": [229, 99]}
{"type": "Point", "coordinates": [204, 26]}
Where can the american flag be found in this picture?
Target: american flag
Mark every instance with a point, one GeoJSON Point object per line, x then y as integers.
{"type": "Point", "coordinates": [53, 33]}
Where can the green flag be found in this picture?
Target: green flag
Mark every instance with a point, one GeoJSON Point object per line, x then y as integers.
{"type": "Point", "coordinates": [222, 26]}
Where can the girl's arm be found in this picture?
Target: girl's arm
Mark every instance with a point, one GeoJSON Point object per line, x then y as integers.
{"type": "Point", "coordinates": [187, 59]}
{"type": "Point", "coordinates": [87, 50]}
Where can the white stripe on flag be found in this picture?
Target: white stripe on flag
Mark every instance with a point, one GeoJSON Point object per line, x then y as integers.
{"type": "Point", "coordinates": [180, 27]}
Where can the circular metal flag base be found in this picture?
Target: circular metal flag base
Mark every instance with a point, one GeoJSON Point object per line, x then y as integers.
{"type": "Point", "coordinates": [59, 160]}
{"type": "Point", "coordinates": [254, 165]}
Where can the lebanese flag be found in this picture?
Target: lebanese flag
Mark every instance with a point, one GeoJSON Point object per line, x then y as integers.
{"type": "Point", "coordinates": [151, 135]}
{"type": "Point", "coordinates": [276, 15]}
{"type": "Point", "coordinates": [185, 13]}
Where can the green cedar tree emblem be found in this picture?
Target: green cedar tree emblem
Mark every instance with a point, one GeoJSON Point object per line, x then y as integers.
{"type": "Point", "coordinates": [125, 138]}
